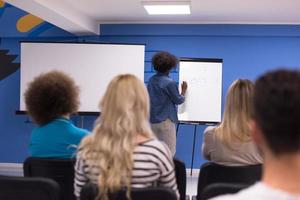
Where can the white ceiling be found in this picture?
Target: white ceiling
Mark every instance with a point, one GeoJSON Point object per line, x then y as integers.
{"type": "Point", "coordinates": [203, 11]}
{"type": "Point", "coordinates": [88, 14]}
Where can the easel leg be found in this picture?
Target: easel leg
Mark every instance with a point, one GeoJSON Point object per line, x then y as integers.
{"type": "Point", "coordinates": [177, 128]}
{"type": "Point", "coordinates": [194, 142]}
{"type": "Point", "coordinates": [81, 121]}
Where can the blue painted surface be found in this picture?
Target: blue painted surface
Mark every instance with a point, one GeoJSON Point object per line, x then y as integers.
{"type": "Point", "coordinates": [14, 129]}
{"type": "Point", "coordinates": [9, 16]}
{"type": "Point", "coordinates": [247, 51]}
{"type": "Point", "coordinates": [158, 30]}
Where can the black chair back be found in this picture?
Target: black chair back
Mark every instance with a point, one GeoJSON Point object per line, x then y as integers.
{"type": "Point", "coordinates": [180, 173]}
{"type": "Point", "coordinates": [215, 173]}
{"type": "Point", "coordinates": [60, 170]}
{"type": "Point", "coordinates": [217, 189]}
{"type": "Point", "coordinates": [19, 188]}
{"type": "Point", "coordinates": [90, 191]}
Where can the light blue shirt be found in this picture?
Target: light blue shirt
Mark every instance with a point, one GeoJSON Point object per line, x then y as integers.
{"type": "Point", "coordinates": [164, 98]}
{"type": "Point", "coordinates": [56, 139]}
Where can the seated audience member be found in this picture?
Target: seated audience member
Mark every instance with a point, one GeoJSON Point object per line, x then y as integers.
{"type": "Point", "coordinates": [50, 99]}
{"type": "Point", "coordinates": [122, 151]}
{"type": "Point", "coordinates": [276, 129]}
{"type": "Point", "coordinates": [230, 142]}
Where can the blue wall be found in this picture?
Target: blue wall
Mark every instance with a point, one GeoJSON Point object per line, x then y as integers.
{"type": "Point", "coordinates": [14, 130]}
{"type": "Point", "coordinates": [247, 51]}
{"type": "Point", "coordinates": [10, 16]}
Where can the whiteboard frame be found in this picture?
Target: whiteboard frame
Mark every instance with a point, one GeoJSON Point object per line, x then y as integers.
{"type": "Point", "coordinates": [85, 113]}
{"type": "Point", "coordinates": [213, 60]}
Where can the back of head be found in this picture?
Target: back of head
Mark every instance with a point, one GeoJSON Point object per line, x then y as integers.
{"type": "Point", "coordinates": [163, 61]}
{"type": "Point", "coordinates": [51, 95]}
{"type": "Point", "coordinates": [237, 113]}
{"type": "Point", "coordinates": [277, 110]}
{"type": "Point", "coordinates": [126, 98]}
{"type": "Point", "coordinates": [124, 116]}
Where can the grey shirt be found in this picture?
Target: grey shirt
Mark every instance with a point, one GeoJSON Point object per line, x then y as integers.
{"type": "Point", "coordinates": [239, 154]}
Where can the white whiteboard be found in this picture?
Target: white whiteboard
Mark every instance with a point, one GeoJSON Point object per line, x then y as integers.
{"type": "Point", "coordinates": [91, 65]}
{"type": "Point", "coordinates": [204, 94]}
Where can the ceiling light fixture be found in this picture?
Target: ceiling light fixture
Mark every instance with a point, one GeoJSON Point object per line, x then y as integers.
{"type": "Point", "coordinates": [167, 7]}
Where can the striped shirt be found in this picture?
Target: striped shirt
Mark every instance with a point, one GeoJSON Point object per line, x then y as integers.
{"type": "Point", "coordinates": [153, 166]}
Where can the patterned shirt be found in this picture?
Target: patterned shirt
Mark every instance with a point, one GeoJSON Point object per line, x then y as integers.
{"type": "Point", "coordinates": [152, 166]}
{"type": "Point", "coordinates": [164, 98]}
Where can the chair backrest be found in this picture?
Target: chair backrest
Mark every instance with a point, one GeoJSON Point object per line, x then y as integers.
{"type": "Point", "coordinates": [217, 189]}
{"type": "Point", "coordinates": [90, 191]}
{"type": "Point", "coordinates": [18, 188]}
{"type": "Point", "coordinates": [60, 170]}
{"type": "Point", "coordinates": [180, 173]}
{"type": "Point", "coordinates": [215, 173]}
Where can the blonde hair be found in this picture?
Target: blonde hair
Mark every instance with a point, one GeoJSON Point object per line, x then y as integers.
{"type": "Point", "coordinates": [124, 116]}
{"type": "Point", "coordinates": [237, 114]}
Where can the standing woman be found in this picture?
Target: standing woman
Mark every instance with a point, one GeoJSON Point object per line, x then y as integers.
{"type": "Point", "coordinates": [165, 97]}
{"type": "Point", "coordinates": [230, 143]}
{"type": "Point", "coordinates": [121, 151]}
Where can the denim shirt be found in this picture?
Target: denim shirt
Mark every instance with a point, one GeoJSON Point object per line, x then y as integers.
{"type": "Point", "coordinates": [164, 98]}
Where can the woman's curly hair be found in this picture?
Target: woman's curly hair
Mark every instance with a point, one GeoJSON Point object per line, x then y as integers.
{"type": "Point", "coordinates": [51, 95]}
{"type": "Point", "coordinates": [164, 61]}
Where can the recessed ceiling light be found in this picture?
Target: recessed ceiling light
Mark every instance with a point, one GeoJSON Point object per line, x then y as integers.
{"type": "Point", "coordinates": [167, 8]}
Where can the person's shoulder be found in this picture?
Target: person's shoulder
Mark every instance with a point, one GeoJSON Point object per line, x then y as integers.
{"type": "Point", "coordinates": [78, 132]}
{"type": "Point", "coordinates": [230, 197]}
{"type": "Point", "coordinates": [35, 130]}
{"type": "Point", "coordinates": [152, 78]}
{"type": "Point", "coordinates": [226, 197]}
{"type": "Point", "coordinates": [169, 82]}
{"type": "Point", "coordinates": [153, 143]}
{"type": "Point", "coordinates": [83, 131]}
{"type": "Point", "coordinates": [36, 133]}
{"type": "Point", "coordinates": [156, 147]}
{"type": "Point", "coordinates": [255, 191]}
{"type": "Point", "coordinates": [210, 130]}
{"type": "Point", "coordinates": [42, 129]}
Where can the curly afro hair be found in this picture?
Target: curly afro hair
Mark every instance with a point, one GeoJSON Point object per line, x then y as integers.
{"type": "Point", "coordinates": [51, 95]}
{"type": "Point", "coordinates": [164, 61]}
